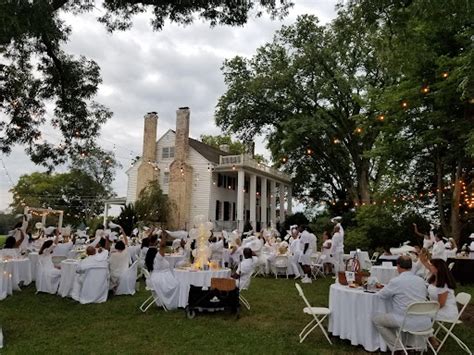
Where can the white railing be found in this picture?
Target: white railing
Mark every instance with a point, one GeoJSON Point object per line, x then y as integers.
{"type": "Point", "coordinates": [246, 160]}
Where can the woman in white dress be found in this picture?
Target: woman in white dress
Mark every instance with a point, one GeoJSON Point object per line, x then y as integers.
{"type": "Point", "coordinates": [163, 281]}
{"type": "Point", "coordinates": [47, 271]}
{"type": "Point", "coordinates": [119, 261]}
{"type": "Point", "coordinates": [12, 246]}
{"type": "Point", "coordinates": [441, 289]}
{"type": "Point", "coordinates": [428, 240]}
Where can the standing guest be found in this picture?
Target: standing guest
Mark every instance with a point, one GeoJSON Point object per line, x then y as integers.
{"type": "Point", "coordinates": [326, 252]}
{"type": "Point", "coordinates": [162, 279]}
{"type": "Point", "coordinates": [119, 260]}
{"type": "Point", "coordinates": [401, 291]}
{"type": "Point", "coordinates": [428, 240]}
{"type": "Point", "coordinates": [307, 245]}
{"type": "Point", "coordinates": [337, 250]}
{"type": "Point", "coordinates": [295, 251]}
{"type": "Point", "coordinates": [439, 250]}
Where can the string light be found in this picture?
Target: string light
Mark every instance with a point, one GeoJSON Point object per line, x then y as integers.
{"type": "Point", "coordinates": [381, 117]}
{"type": "Point", "coordinates": [444, 74]}
{"type": "Point", "coordinates": [425, 89]}
{"type": "Point", "coordinates": [404, 104]}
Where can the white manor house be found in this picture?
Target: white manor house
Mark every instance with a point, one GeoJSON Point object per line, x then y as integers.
{"type": "Point", "coordinates": [229, 190]}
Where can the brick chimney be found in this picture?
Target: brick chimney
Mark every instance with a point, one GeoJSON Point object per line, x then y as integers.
{"type": "Point", "coordinates": [181, 174]}
{"type": "Point", "coordinates": [148, 170]}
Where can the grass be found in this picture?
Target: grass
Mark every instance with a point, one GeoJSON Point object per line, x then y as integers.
{"type": "Point", "coordinates": [44, 323]}
{"type": "Point", "coordinates": [2, 240]}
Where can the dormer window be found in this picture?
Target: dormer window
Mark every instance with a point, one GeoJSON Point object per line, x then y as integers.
{"type": "Point", "coordinates": [167, 152]}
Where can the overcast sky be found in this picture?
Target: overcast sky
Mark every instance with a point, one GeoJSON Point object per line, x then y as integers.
{"type": "Point", "coordinates": [145, 71]}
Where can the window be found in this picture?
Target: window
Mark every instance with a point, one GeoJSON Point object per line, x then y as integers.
{"type": "Point", "coordinates": [167, 152]}
{"type": "Point", "coordinates": [218, 210]}
{"type": "Point", "coordinates": [234, 212]}
{"type": "Point", "coordinates": [166, 178]}
{"type": "Point", "coordinates": [226, 211]}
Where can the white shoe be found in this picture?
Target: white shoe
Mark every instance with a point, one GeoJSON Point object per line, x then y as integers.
{"type": "Point", "coordinates": [306, 280]}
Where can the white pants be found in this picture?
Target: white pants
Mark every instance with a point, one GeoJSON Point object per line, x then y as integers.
{"type": "Point", "coordinates": [338, 261]}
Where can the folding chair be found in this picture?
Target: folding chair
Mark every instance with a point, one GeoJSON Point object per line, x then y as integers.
{"type": "Point", "coordinates": [317, 266]}
{"type": "Point", "coordinates": [281, 264]}
{"type": "Point", "coordinates": [417, 309]}
{"type": "Point", "coordinates": [153, 298]}
{"type": "Point", "coordinates": [463, 299]}
{"type": "Point", "coordinates": [315, 312]}
{"type": "Point", "coordinates": [374, 257]}
{"type": "Point", "coordinates": [128, 280]}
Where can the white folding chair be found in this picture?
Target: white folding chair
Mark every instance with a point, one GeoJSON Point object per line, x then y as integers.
{"type": "Point", "coordinates": [374, 257]}
{"type": "Point", "coordinates": [128, 281]}
{"type": "Point", "coordinates": [316, 312]}
{"type": "Point", "coordinates": [463, 299]}
{"type": "Point", "coordinates": [417, 309]}
{"type": "Point", "coordinates": [153, 298]}
{"type": "Point", "coordinates": [317, 266]}
{"type": "Point", "coordinates": [281, 264]}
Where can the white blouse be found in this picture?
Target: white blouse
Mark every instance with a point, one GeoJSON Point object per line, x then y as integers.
{"type": "Point", "coordinates": [450, 310]}
{"type": "Point", "coordinates": [439, 251]}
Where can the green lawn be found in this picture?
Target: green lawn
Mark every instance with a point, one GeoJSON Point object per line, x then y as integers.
{"type": "Point", "coordinates": [2, 240]}
{"type": "Point", "coordinates": [41, 324]}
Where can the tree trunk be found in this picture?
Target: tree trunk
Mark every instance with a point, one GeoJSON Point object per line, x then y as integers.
{"type": "Point", "coordinates": [455, 201]}
{"type": "Point", "coordinates": [439, 195]}
{"type": "Point", "coordinates": [363, 182]}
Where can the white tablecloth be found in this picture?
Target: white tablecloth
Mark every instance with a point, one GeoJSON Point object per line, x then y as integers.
{"type": "Point", "coordinates": [6, 284]}
{"type": "Point", "coordinates": [351, 316]}
{"type": "Point", "coordinates": [384, 273]}
{"type": "Point", "coordinates": [33, 256]}
{"type": "Point", "coordinates": [68, 273]}
{"type": "Point", "coordinates": [196, 278]}
{"type": "Point", "coordinates": [174, 259]}
{"type": "Point", "coordinates": [20, 270]}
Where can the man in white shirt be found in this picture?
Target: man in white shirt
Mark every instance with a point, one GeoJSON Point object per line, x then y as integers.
{"type": "Point", "coordinates": [246, 268]}
{"type": "Point", "coordinates": [307, 245]}
{"type": "Point", "coordinates": [401, 291]}
{"type": "Point", "coordinates": [337, 250]}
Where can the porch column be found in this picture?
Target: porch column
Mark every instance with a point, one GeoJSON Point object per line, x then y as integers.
{"type": "Point", "coordinates": [60, 220]}
{"type": "Point", "coordinates": [290, 198]}
{"type": "Point", "coordinates": [263, 202]}
{"type": "Point", "coordinates": [253, 201]}
{"type": "Point", "coordinates": [273, 203]}
{"type": "Point", "coordinates": [240, 200]}
{"type": "Point", "coordinates": [282, 202]}
{"type": "Point", "coordinates": [106, 214]}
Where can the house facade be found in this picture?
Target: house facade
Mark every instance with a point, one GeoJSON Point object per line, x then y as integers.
{"type": "Point", "coordinates": [229, 190]}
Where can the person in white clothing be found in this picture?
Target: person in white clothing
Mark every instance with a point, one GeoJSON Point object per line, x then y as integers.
{"type": "Point", "coordinates": [295, 252]}
{"type": "Point", "coordinates": [62, 246]}
{"type": "Point", "coordinates": [217, 249]}
{"type": "Point", "coordinates": [439, 250]}
{"type": "Point", "coordinates": [428, 240]}
{"type": "Point", "coordinates": [119, 261]}
{"type": "Point", "coordinates": [245, 269]}
{"type": "Point", "coordinates": [162, 280]}
{"type": "Point", "coordinates": [307, 245]}
{"type": "Point", "coordinates": [337, 250]}
{"type": "Point", "coordinates": [326, 252]}
{"type": "Point", "coordinates": [12, 246]}
{"type": "Point", "coordinates": [402, 290]}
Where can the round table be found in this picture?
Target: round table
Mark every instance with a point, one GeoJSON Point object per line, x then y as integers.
{"type": "Point", "coordinates": [351, 316]}
{"type": "Point", "coordinates": [384, 273]}
{"type": "Point", "coordinates": [196, 278]}
{"type": "Point", "coordinates": [20, 270]}
{"type": "Point", "coordinates": [174, 259]}
{"type": "Point", "coordinates": [68, 273]}
{"type": "Point", "coordinates": [6, 284]}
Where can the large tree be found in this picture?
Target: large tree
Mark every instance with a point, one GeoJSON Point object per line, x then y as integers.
{"type": "Point", "coordinates": [35, 70]}
{"type": "Point", "coordinates": [74, 192]}
{"type": "Point", "coordinates": [427, 47]}
{"type": "Point", "coordinates": [313, 92]}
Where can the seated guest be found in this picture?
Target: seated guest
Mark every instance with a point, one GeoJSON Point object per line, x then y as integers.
{"type": "Point", "coordinates": [401, 291]}
{"type": "Point", "coordinates": [441, 289]}
{"type": "Point", "coordinates": [11, 246]}
{"type": "Point", "coordinates": [246, 268]}
{"type": "Point", "coordinates": [91, 260]}
{"type": "Point", "coordinates": [151, 253]}
{"type": "Point", "coordinates": [119, 261]}
{"type": "Point", "coordinates": [63, 244]}
{"type": "Point", "coordinates": [162, 279]}
{"type": "Point", "coordinates": [419, 268]}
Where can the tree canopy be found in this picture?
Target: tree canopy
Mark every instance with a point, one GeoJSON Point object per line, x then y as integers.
{"type": "Point", "coordinates": [35, 71]}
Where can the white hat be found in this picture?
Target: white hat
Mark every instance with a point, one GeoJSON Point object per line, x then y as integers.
{"type": "Point", "coordinates": [112, 236]}
{"type": "Point", "coordinates": [38, 225]}
{"type": "Point", "coordinates": [112, 225]}
{"type": "Point", "coordinates": [336, 219]}
{"type": "Point", "coordinates": [49, 230]}
{"type": "Point", "coordinates": [471, 236]}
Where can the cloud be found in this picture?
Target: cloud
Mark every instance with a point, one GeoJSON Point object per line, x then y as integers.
{"type": "Point", "coordinates": [145, 71]}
